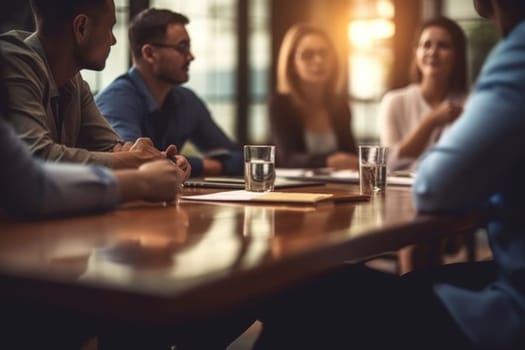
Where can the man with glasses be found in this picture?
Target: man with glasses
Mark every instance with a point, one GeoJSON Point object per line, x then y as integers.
{"type": "Point", "coordinates": [149, 101]}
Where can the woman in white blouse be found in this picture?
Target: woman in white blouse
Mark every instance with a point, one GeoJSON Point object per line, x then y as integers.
{"type": "Point", "coordinates": [414, 117]}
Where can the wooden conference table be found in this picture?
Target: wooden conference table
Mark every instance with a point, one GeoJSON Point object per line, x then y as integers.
{"type": "Point", "coordinates": [152, 263]}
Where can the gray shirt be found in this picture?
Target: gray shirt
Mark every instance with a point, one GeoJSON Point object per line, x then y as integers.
{"type": "Point", "coordinates": [57, 124]}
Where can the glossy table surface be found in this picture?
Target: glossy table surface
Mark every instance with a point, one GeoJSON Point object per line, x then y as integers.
{"type": "Point", "coordinates": [152, 262]}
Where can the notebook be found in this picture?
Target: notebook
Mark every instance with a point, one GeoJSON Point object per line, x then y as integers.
{"type": "Point", "coordinates": [238, 183]}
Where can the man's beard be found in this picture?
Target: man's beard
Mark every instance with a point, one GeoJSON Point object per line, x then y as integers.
{"type": "Point", "coordinates": [171, 78]}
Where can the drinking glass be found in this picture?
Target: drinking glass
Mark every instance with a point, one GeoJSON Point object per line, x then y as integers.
{"type": "Point", "coordinates": [372, 168]}
{"type": "Point", "coordinates": [259, 168]}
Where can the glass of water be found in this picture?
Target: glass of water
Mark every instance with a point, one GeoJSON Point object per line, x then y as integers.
{"type": "Point", "coordinates": [259, 168]}
{"type": "Point", "coordinates": [372, 168]}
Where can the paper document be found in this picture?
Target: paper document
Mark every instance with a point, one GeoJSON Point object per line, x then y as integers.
{"type": "Point", "coordinates": [283, 197]}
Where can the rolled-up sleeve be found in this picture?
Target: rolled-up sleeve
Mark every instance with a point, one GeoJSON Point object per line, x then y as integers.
{"type": "Point", "coordinates": [30, 188]}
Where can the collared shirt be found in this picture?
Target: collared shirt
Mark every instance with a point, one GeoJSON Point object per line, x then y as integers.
{"type": "Point", "coordinates": [31, 188]}
{"type": "Point", "coordinates": [58, 124]}
{"type": "Point", "coordinates": [480, 164]}
{"type": "Point", "coordinates": [131, 110]}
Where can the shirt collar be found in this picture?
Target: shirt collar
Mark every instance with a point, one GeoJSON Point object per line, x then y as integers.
{"type": "Point", "coordinates": [137, 80]}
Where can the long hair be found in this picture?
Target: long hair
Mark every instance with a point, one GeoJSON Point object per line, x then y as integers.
{"type": "Point", "coordinates": [288, 81]}
{"type": "Point", "coordinates": [150, 25]}
{"type": "Point", "coordinates": [458, 82]}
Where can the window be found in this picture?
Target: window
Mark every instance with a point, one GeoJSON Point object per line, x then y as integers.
{"type": "Point", "coordinates": [259, 67]}
{"type": "Point", "coordinates": [213, 74]}
{"type": "Point", "coordinates": [481, 35]}
{"type": "Point", "coordinates": [212, 30]}
{"type": "Point", "coordinates": [370, 31]}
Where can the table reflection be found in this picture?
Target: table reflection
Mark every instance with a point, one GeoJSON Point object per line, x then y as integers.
{"type": "Point", "coordinates": [198, 258]}
{"type": "Point", "coordinates": [259, 222]}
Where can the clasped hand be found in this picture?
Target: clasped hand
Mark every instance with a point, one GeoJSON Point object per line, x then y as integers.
{"type": "Point", "coordinates": [145, 151]}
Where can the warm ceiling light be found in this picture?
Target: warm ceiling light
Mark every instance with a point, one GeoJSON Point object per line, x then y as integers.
{"type": "Point", "coordinates": [364, 33]}
{"type": "Point", "coordinates": [385, 9]}
{"type": "Point", "coordinates": [383, 28]}
{"type": "Point", "coordinates": [359, 34]}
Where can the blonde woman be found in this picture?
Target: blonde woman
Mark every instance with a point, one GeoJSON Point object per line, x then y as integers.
{"type": "Point", "coordinates": [310, 118]}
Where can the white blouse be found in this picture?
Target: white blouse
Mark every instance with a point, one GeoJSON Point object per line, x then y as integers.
{"type": "Point", "coordinates": [400, 111]}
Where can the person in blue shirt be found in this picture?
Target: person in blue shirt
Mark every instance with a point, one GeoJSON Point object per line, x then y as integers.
{"type": "Point", "coordinates": [478, 165]}
{"type": "Point", "coordinates": [149, 101]}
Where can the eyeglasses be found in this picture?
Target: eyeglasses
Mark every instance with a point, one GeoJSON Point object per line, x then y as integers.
{"type": "Point", "coordinates": [183, 47]}
{"type": "Point", "coordinates": [309, 54]}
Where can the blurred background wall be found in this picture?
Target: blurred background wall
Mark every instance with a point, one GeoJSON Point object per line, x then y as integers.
{"type": "Point", "coordinates": [236, 43]}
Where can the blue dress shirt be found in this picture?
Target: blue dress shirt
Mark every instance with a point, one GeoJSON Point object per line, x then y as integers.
{"type": "Point", "coordinates": [132, 112]}
{"type": "Point", "coordinates": [480, 164]}
{"type": "Point", "coordinates": [31, 188]}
